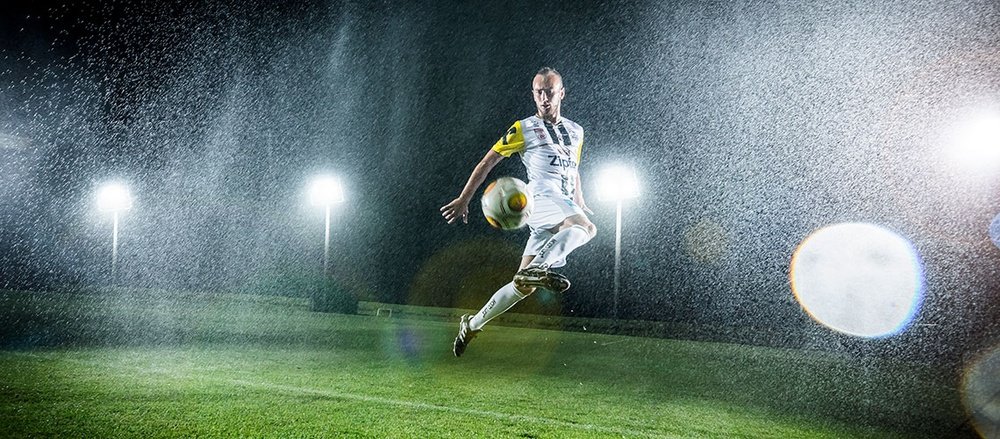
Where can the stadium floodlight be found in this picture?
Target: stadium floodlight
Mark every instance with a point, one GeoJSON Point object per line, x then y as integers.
{"type": "Point", "coordinates": [977, 140]}
{"type": "Point", "coordinates": [114, 198]}
{"type": "Point", "coordinates": [325, 191]}
{"type": "Point", "coordinates": [617, 183]}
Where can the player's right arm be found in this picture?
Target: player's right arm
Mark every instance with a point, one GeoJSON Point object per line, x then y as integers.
{"type": "Point", "coordinates": [459, 207]}
{"type": "Point", "coordinates": [510, 143]}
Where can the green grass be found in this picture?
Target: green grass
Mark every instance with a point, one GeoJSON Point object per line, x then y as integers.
{"type": "Point", "coordinates": [160, 364]}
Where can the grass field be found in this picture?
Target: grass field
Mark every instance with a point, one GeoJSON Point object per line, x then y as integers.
{"type": "Point", "coordinates": [155, 364]}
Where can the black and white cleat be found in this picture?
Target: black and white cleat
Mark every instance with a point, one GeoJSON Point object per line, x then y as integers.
{"type": "Point", "coordinates": [465, 335]}
{"type": "Point", "coordinates": [541, 276]}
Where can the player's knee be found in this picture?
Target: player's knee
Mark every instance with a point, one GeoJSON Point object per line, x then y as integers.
{"type": "Point", "coordinates": [588, 227]}
{"type": "Point", "coordinates": [583, 223]}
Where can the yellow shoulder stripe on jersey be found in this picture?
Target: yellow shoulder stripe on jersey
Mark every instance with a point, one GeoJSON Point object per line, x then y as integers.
{"type": "Point", "coordinates": [579, 150]}
{"type": "Point", "coordinates": [511, 142]}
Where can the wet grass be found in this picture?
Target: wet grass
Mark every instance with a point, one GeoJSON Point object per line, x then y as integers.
{"type": "Point", "coordinates": [148, 364]}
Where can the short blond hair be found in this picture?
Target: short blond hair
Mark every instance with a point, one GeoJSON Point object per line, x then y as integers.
{"type": "Point", "coordinates": [548, 70]}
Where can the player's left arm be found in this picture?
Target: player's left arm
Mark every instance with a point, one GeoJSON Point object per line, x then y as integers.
{"type": "Point", "coordinates": [578, 193]}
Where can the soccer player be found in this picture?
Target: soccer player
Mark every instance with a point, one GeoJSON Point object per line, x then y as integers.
{"type": "Point", "coordinates": [550, 147]}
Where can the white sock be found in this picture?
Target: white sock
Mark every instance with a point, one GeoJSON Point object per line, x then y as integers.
{"type": "Point", "coordinates": [561, 244]}
{"type": "Point", "coordinates": [505, 298]}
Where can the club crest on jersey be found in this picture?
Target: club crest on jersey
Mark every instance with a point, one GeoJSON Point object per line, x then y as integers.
{"type": "Point", "coordinates": [540, 132]}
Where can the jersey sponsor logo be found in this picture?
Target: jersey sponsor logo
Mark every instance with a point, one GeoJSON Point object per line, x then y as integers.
{"type": "Point", "coordinates": [560, 161]}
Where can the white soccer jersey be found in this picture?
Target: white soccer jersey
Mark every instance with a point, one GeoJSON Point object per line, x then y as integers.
{"type": "Point", "coordinates": [550, 153]}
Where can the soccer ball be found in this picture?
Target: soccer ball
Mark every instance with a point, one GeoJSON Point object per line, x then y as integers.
{"type": "Point", "coordinates": [507, 203]}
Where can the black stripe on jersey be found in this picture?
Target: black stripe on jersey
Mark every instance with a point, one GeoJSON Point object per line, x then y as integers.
{"type": "Point", "coordinates": [565, 135]}
{"type": "Point", "coordinates": [552, 133]}
{"type": "Point", "coordinates": [556, 138]}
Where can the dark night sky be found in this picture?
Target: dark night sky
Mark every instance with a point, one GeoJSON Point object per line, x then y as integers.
{"type": "Point", "coordinates": [756, 121]}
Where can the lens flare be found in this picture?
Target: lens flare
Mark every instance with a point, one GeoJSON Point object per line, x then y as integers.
{"type": "Point", "coordinates": [995, 231]}
{"type": "Point", "coordinates": [981, 393]}
{"type": "Point", "coordinates": [404, 342]}
{"type": "Point", "coordinates": [706, 241]}
{"type": "Point", "coordinates": [857, 278]}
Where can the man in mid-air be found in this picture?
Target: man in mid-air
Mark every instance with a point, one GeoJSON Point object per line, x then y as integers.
{"type": "Point", "coordinates": [550, 148]}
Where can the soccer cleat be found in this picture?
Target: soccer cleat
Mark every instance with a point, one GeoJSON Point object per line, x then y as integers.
{"type": "Point", "coordinates": [541, 276]}
{"type": "Point", "coordinates": [465, 335]}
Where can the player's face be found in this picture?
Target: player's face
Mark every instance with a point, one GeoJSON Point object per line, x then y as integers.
{"type": "Point", "coordinates": [548, 93]}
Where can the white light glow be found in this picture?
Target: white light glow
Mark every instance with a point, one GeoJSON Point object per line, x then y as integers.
{"type": "Point", "coordinates": [857, 278]}
{"type": "Point", "coordinates": [617, 183]}
{"type": "Point", "coordinates": [8, 141]}
{"type": "Point", "coordinates": [976, 141]}
{"type": "Point", "coordinates": [113, 197]}
{"type": "Point", "coordinates": [326, 190]}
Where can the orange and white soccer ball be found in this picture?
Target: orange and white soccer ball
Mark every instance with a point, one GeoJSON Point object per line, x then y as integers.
{"type": "Point", "coordinates": [507, 203]}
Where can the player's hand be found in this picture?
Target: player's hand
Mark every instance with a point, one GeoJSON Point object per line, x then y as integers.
{"type": "Point", "coordinates": [457, 208]}
{"type": "Point", "coordinates": [583, 206]}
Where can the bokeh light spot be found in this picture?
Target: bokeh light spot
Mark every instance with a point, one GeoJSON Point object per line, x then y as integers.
{"type": "Point", "coordinates": [858, 278]}
{"type": "Point", "coordinates": [706, 241]}
{"type": "Point", "coordinates": [995, 230]}
{"type": "Point", "coordinates": [981, 393]}
{"type": "Point", "coordinates": [405, 342]}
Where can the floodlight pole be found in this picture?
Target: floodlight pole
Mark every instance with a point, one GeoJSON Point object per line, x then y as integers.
{"type": "Point", "coordinates": [326, 244]}
{"type": "Point", "coordinates": [114, 248]}
{"type": "Point", "coordinates": [324, 192]}
{"type": "Point", "coordinates": [618, 255]}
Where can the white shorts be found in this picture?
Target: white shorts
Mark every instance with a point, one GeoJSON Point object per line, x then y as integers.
{"type": "Point", "coordinates": [548, 212]}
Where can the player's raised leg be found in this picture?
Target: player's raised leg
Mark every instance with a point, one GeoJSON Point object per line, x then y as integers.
{"type": "Point", "coordinates": [573, 232]}
{"type": "Point", "coordinates": [505, 298]}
